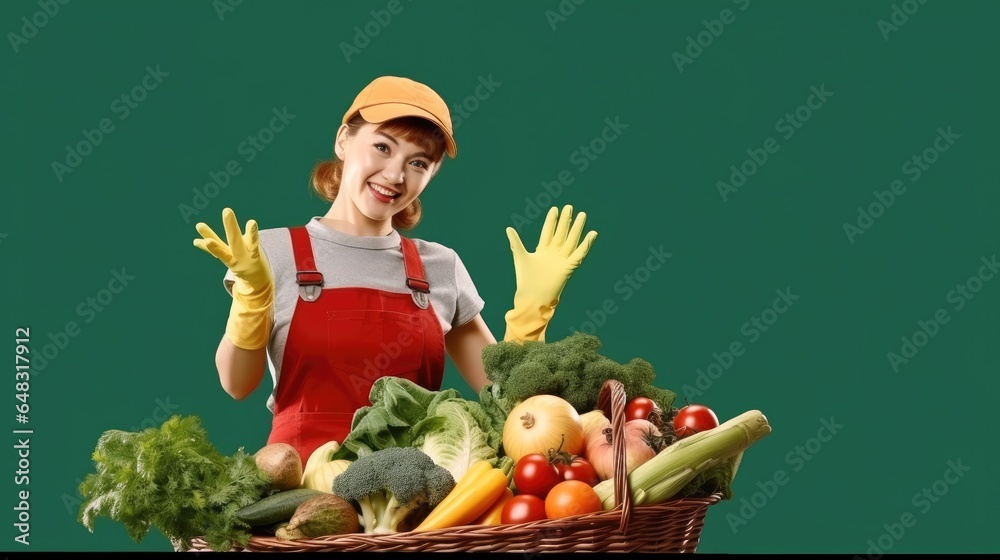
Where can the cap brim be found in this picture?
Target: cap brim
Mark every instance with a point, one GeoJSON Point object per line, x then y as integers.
{"type": "Point", "coordinates": [388, 111]}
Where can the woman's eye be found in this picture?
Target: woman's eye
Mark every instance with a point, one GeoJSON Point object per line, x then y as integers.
{"type": "Point", "coordinates": [382, 147]}
{"type": "Point", "coordinates": [421, 164]}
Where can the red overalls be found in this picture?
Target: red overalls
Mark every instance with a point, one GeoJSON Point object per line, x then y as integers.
{"type": "Point", "coordinates": [341, 340]}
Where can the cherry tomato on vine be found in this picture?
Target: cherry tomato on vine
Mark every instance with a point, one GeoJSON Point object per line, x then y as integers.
{"type": "Point", "coordinates": [533, 474]}
{"type": "Point", "coordinates": [694, 418]}
{"type": "Point", "coordinates": [638, 408]}
{"type": "Point", "coordinates": [579, 469]}
{"type": "Point", "coordinates": [523, 508]}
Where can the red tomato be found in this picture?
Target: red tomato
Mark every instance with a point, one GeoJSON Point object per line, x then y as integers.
{"type": "Point", "coordinates": [638, 408]}
{"type": "Point", "coordinates": [571, 497]}
{"type": "Point", "coordinates": [533, 474]}
{"type": "Point", "coordinates": [523, 508]}
{"type": "Point", "coordinates": [694, 418]}
{"type": "Point", "coordinates": [580, 469]}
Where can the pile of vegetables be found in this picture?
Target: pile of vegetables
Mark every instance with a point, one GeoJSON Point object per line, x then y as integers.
{"type": "Point", "coordinates": [535, 446]}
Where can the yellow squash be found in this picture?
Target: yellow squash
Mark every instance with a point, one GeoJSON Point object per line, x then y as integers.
{"type": "Point", "coordinates": [479, 489]}
{"type": "Point", "coordinates": [320, 471]}
{"type": "Point", "coordinates": [494, 515]}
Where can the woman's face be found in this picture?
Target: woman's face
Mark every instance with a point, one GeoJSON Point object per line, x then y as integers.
{"type": "Point", "coordinates": [383, 174]}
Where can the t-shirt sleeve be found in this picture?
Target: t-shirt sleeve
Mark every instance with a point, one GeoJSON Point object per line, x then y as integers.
{"type": "Point", "coordinates": [469, 303]}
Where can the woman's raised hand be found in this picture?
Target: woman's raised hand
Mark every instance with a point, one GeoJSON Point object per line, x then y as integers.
{"type": "Point", "coordinates": [240, 252]}
{"type": "Point", "coordinates": [253, 291]}
{"type": "Point", "coordinates": [541, 276]}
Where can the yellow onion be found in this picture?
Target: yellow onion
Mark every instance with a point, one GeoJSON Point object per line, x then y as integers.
{"type": "Point", "coordinates": [593, 421]}
{"type": "Point", "coordinates": [542, 423]}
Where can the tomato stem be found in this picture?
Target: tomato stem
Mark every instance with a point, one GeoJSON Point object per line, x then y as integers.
{"type": "Point", "coordinates": [560, 456]}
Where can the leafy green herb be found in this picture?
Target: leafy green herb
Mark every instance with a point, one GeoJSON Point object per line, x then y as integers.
{"type": "Point", "coordinates": [172, 478]}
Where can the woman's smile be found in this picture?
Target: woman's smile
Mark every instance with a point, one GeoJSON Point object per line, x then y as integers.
{"type": "Point", "coordinates": [382, 193]}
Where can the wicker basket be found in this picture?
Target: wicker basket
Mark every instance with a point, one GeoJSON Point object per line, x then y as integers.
{"type": "Point", "coordinates": [672, 526]}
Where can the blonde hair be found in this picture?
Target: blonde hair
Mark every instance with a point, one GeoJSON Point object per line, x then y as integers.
{"type": "Point", "coordinates": [327, 174]}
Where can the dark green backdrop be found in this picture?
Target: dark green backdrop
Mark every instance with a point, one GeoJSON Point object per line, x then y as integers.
{"type": "Point", "coordinates": [870, 246]}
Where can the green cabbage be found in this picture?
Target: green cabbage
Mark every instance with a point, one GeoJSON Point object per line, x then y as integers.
{"type": "Point", "coordinates": [453, 431]}
{"type": "Point", "coordinates": [456, 434]}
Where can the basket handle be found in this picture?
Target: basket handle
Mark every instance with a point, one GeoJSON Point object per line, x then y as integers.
{"type": "Point", "coordinates": [612, 397]}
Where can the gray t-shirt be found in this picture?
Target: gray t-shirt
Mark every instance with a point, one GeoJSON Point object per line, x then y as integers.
{"type": "Point", "coordinates": [369, 262]}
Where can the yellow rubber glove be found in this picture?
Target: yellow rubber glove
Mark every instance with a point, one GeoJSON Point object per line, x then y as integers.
{"type": "Point", "coordinates": [249, 324]}
{"type": "Point", "coordinates": [542, 275]}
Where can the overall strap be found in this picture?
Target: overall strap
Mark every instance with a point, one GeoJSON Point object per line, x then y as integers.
{"type": "Point", "coordinates": [414, 267]}
{"type": "Point", "coordinates": [309, 279]}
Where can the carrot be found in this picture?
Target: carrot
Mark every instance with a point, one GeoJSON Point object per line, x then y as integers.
{"type": "Point", "coordinates": [471, 497]}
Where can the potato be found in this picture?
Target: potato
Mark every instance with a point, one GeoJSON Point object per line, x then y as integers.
{"type": "Point", "coordinates": [282, 463]}
{"type": "Point", "coordinates": [322, 515]}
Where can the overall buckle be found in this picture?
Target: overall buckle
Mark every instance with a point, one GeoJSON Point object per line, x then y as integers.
{"type": "Point", "coordinates": [419, 290]}
{"type": "Point", "coordinates": [310, 284]}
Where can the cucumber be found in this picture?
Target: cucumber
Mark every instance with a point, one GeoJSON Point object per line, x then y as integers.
{"type": "Point", "coordinates": [275, 508]}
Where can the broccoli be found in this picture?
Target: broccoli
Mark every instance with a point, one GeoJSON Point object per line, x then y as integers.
{"type": "Point", "coordinates": [390, 484]}
{"type": "Point", "coordinates": [570, 368]}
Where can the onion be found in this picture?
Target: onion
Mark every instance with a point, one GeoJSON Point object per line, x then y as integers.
{"type": "Point", "coordinates": [642, 442]}
{"type": "Point", "coordinates": [542, 423]}
{"type": "Point", "coordinates": [595, 420]}
{"type": "Point", "coordinates": [598, 451]}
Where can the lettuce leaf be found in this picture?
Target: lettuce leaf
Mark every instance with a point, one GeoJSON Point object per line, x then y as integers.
{"type": "Point", "coordinates": [457, 434]}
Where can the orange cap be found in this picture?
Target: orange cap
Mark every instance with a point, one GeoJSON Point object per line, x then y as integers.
{"type": "Point", "coordinates": [391, 97]}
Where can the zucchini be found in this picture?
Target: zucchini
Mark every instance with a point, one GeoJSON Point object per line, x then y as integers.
{"type": "Point", "coordinates": [275, 508]}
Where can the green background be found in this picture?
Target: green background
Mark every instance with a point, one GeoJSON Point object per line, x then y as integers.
{"type": "Point", "coordinates": [151, 348]}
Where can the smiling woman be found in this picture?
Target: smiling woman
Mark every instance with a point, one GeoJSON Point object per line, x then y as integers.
{"type": "Point", "coordinates": [406, 156]}
{"type": "Point", "coordinates": [343, 300]}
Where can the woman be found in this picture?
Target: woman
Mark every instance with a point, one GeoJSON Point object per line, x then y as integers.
{"type": "Point", "coordinates": [350, 299]}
